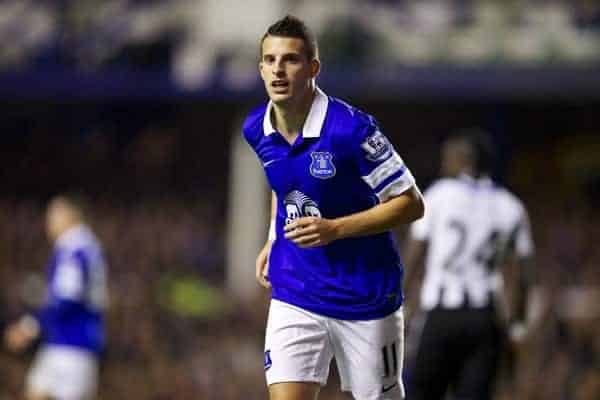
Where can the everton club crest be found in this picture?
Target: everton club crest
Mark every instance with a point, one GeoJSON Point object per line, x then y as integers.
{"type": "Point", "coordinates": [322, 165]}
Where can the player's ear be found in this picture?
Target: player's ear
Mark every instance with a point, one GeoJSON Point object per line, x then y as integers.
{"type": "Point", "coordinates": [315, 67]}
{"type": "Point", "coordinates": [261, 68]}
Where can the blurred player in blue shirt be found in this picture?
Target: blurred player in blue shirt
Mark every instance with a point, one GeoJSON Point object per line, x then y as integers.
{"type": "Point", "coordinates": [338, 186]}
{"type": "Point", "coordinates": [70, 325]}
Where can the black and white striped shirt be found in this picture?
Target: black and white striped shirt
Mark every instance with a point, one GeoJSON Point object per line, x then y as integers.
{"type": "Point", "coordinates": [469, 225]}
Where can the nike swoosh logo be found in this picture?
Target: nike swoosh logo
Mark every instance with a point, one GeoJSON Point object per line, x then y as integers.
{"type": "Point", "coordinates": [387, 389]}
{"type": "Point", "coordinates": [266, 164]}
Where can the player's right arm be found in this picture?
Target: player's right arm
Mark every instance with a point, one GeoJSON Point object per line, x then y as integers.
{"type": "Point", "coordinates": [67, 288]}
{"type": "Point", "coordinates": [413, 255]}
{"type": "Point", "coordinates": [262, 261]}
{"type": "Point", "coordinates": [415, 250]}
{"type": "Point", "coordinates": [20, 334]}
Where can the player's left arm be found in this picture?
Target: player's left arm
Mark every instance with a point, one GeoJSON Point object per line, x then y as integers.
{"type": "Point", "coordinates": [384, 171]}
{"type": "Point", "coordinates": [525, 313]}
{"type": "Point", "coordinates": [402, 209]}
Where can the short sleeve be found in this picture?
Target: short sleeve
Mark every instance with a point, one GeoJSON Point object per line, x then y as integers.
{"type": "Point", "coordinates": [380, 165]}
{"type": "Point", "coordinates": [523, 242]}
{"type": "Point", "coordinates": [252, 127]}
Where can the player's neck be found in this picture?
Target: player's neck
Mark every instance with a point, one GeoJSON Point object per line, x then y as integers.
{"type": "Point", "coordinates": [61, 230]}
{"type": "Point", "coordinates": [288, 119]}
{"type": "Point", "coordinates": [468, 171]}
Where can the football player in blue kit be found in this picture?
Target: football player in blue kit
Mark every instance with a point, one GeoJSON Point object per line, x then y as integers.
{"type": "Point", "coordinates": [338, 187]}
{"type": "Point", "coordinates": [70, 325]}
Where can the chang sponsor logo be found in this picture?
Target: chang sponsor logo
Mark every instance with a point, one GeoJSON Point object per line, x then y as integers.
{"type": "Point", "coordinates": [298, 205]}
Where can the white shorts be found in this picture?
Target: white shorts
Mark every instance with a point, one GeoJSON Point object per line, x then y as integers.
{"type": "Point", "coordinates": [64, 373]}
{"type": "Point", "coordinates": [299, 346]}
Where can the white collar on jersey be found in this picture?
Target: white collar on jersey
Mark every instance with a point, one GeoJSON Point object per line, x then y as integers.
{"type": "Point", "coordinates": [483, 180]}
{"type": "Point", "coordinates": [314, 120]}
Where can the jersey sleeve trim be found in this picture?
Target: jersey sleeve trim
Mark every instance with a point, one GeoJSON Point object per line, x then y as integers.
{"type": "Point", "coordinates": [384, 171]}
{"type": "Point", "coordinates": [398, 186]}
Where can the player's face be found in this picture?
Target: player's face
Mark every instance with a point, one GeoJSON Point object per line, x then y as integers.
{"type": "Point", "coordinates": [287, 72]}
{"type": "Point", "coordinates": [454, 158]}
{"type": "Point", "coordinates": [59, 217]}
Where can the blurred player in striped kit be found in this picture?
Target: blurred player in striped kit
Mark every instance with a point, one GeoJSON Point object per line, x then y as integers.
{"type": "Point", "coordinates": [70, 325]}
{"type": "Point", "coordinates": [471, 228]}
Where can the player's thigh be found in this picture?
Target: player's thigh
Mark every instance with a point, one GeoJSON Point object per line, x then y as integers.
{"type": "Point", "coordinates": [480, 367]}
{"type": "Point", "coordinates": [294, 391]}
{"type": "Point", "coordinates": [369, 356]}
{"type": "Point", "coordinates": [297, 346]}
{"type": "Point", "coordinates": [435, 362]}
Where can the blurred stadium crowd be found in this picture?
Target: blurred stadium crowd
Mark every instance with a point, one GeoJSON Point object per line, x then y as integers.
{"type": "Point", "coordinates": [158, 204]}
{"type": "Point", "coordinates": [94, 35]}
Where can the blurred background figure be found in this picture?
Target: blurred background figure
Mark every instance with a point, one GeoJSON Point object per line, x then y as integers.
{"type": "Point", "coordinates": [70, 325]}
{"type": "Point", "coordinates": [139, 104]}
{"type": "Point", "coordinates": [472, 228]}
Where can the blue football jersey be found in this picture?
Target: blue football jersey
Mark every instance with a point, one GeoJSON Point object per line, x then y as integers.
{"type": "Point", "coordinates": [76, 292]}
{"type": "Point", "coordinates": [340, 164]}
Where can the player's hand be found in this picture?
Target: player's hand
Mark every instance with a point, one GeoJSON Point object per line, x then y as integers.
{"type": "Point", "coordinates": [262, 265]}
{"type": "Point", "coordinates": [16, 338]}
{"type": "Point", "coordinates": [519, 336]}
{"type": "Point", "coordinates": [20, 334]}
{"type": "Point", "coordinates": [311, 231]}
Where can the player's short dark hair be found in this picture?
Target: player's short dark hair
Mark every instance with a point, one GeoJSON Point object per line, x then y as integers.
{"type": "Point", "coordinates": [293, 27]}
{"type": "Point", "coordinates": [480, 141]}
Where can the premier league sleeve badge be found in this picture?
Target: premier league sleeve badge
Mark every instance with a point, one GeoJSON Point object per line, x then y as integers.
{"type": "Point", "coordinates": [377, 147]}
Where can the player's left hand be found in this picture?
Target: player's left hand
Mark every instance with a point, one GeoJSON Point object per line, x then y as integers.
{"type": "Point", "coordinates": [311, 231]}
